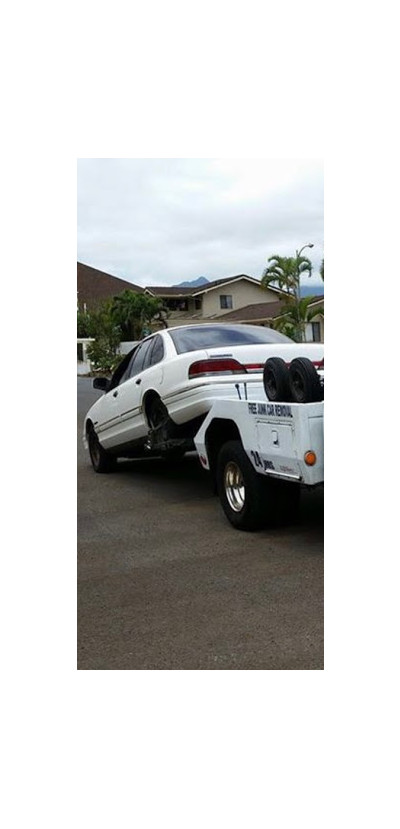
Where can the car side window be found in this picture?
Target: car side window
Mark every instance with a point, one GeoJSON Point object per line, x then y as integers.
{"type": "Point", "coordinates": [127, 373]}
{"type": "Point", "coordinates": [157, 352]}
{"type": "Point", "coordinates": [138, 362]}
{"type": "Point", "coordinates": [121, 372]}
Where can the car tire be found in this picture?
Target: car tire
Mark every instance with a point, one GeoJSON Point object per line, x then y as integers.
{"type": "Point", "coordinates": [305, 385]}
{"type": "Point", "coordinates": [159, 419]}
{"type": "Point", "coordinates": [157, 413]}
{"type": "Point", "coordinates": [242, 491]}
{"type": "Point", "coordinates": [276, 380]}
{"type": "Point", "coordinates": [101, 460]}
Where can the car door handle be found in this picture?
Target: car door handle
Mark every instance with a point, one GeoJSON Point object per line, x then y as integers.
{"type": "Point", "coordinates": [115, 394]}
{"type": "Point", "coordinates": [138, 382]}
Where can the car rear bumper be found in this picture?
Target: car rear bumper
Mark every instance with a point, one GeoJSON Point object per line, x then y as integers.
{"type": "Point", "coordinates": [196, 400]}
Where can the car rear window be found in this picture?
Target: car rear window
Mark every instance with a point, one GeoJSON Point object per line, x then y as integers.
{"type": "Point", "coordinates": [212, 336]}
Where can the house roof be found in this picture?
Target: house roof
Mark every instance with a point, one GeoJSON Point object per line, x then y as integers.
{"type": "Point", "coordinates": [317, 300]}
{"type": "Point", "coordinates": [260, 311]}
{"type": "Point", "coordinates": [169, 290]}
{"type": "Point", "coordinates": [257, 311]}
{"type": "Point", "coordinates": [94, 286]}
{"type": "Point", "coordinates": [176, 291]}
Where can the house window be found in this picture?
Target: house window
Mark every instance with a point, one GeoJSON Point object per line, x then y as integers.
{"type": "Point", "coordinates": [197, 304]}
{"type": "Point", "coordinates": [176, 304]}
{"type": "Point", "coordinates": [316, 332]}
{"type": "Point", "coordinates": [225, 301]}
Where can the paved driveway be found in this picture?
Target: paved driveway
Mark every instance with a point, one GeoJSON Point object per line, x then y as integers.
{"type": "Point", "coordinates": [164, 581]}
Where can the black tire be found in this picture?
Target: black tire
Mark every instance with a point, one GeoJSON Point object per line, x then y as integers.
{"type": "Point", "coordinates": [242, 491]}
{"type": "Point", "coordinates": [276, 380]}
{"type": "Point", "coordinates": [304, 381]}
{"type": "Point", "coordinates": [101, 460]}
{"type": "Point", "coordinates": [159, 419]}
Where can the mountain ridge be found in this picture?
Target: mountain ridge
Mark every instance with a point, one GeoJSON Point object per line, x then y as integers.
{"type": "Point", "coordinates": [195, 283]}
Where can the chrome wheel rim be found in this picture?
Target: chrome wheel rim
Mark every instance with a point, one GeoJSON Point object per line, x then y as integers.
{"type": "Point", "coordinates": [234, 486]}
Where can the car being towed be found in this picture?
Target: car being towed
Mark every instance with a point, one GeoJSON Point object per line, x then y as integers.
{"type": "Point", "coordinates": [164, 388]}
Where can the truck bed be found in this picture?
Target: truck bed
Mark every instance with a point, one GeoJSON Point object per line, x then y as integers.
{"type": "Point", "coordinates": [277, 437]}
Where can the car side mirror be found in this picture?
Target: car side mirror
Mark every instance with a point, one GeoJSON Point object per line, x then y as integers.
{"type": "Point", "coordinates": [102, 383]}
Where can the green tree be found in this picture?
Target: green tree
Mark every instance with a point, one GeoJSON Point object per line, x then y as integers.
{"type": "Point", "coordinates": [83, 324]}
{"type": "Point", "coordinates": [285, 272]}
{"type": "Point", "coordinates": [133, 313]}
{"type": "Point", "coordinates": [103, 353]}
{"type": "Point", "coordinates": [295, 316]}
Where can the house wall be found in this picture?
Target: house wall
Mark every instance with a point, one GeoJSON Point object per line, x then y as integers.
{"type": "Point", "coordinates": [308, 329]}
{"type": "Point", "coordinates": [83, 363]}
{"type": "Point", "coordinates": [242, 292]}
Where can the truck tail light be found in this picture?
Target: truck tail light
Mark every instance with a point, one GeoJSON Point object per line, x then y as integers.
{"type": "Point", "coordinates": [208, 368]}
{"type": "Point", "coordinates": [310, 458]}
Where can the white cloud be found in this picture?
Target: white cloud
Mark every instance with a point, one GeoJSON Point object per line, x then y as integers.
{"type": "Point", "coordinates": [160, 221]}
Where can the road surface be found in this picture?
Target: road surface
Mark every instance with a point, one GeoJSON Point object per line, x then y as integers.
{"type": "Point", "coordinates": [165, 582]}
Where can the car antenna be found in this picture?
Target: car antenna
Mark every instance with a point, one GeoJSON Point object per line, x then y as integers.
{"type": "Point", "coordinates": [238, 390]}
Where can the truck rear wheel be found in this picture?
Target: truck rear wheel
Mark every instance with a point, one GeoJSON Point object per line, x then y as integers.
{"type": "Point", "coordinates": [242, 491]}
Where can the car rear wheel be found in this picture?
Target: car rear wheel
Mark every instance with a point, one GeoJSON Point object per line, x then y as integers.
{"type": "Point", "coordinates": [304, 381]}
{"type": "Point", "coordinates": [276, 380]}
{"type": "Point", "coordinates": [160, 422]}
{"type": "Point", "coordinates": [101, 460]}
{"type": "Point", "coordinates": [158, 417]}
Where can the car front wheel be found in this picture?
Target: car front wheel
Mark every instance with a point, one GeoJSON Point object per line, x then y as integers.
{"type": "Point", "coordinates": [101, 460]}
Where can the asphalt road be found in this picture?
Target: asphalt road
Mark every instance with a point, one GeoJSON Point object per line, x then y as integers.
{"type": "Point", "coordinates": [165, 582]}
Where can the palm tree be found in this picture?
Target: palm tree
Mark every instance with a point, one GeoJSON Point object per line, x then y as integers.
{"type": "Point", "coordinates": [285, 271]}
{"type": "Point", "coordinates": [295, 316]}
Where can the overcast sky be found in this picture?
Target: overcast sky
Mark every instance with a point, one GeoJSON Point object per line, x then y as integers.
{"type": "Point", "coordinates": [160, 221]}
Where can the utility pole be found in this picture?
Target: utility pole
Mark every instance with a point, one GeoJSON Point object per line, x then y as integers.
{"type": "Point", "coordinates": [297, 289]}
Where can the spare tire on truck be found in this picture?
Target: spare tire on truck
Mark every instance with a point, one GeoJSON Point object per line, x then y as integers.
{"type": "Point", "coordinates": [305, 385]}
{"type": "Point", "coordinates": [276, 380]}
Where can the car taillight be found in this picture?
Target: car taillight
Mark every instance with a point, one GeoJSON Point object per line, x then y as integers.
{"type": "Point", "coordinates": [207, 368]}
{"type": "Point", "coordinates": [254, 367]}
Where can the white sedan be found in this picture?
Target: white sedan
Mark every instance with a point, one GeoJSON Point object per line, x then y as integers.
{"type": "Point", "coordinates": [163, 389]}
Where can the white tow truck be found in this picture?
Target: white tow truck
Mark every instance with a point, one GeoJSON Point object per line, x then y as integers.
{"type": "Point", "coordinates": [260, 453]}
{"type": "Point", "coordinates": [261, 440]}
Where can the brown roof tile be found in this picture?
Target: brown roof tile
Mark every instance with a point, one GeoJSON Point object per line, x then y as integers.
{"type": "Point", "coordinates": [175, 290]}
{"type": "Point", "coordinates": [169, 290]}
{"type": "Point", "coordinates": [94, 286]}
{"type": "Point", "coordinates": [257, 311]}
{"type": "Point", "coordinates": [260, 311]}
